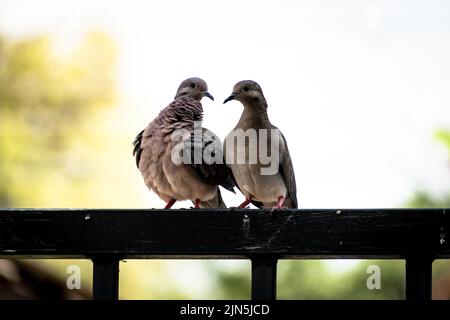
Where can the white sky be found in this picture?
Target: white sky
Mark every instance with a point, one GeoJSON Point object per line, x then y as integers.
{"type": "Point", "coordinates": [358, 88]}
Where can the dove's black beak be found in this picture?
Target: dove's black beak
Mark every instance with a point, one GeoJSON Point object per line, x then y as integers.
{"type": "Point", "coordinates": [233, 95]}
{"type": "Point", "coordinates": [209, 95]}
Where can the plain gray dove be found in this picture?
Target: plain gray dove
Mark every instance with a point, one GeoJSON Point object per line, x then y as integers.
{"type": "Point", "coordinates": [277, 189]}
{"type": "Point", "coordinates": [155, 149]}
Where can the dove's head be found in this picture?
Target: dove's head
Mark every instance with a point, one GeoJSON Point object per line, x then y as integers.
{"type": "Point", "coordinates": [195, 88]}
{"type": "Point", "coordinates": [247, 92]}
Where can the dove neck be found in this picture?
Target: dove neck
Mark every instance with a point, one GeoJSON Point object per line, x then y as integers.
{"type": "Point", "coordinates": [183, 109]}
{"type": "Point", "coordinates": [255, 112]}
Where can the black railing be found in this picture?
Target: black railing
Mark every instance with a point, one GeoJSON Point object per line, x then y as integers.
{"type": "Point", "coordinates": [107, 236]}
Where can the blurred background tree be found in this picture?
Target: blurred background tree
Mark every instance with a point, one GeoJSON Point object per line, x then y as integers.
{"type": "Point", "coordinates": [425, 199]}
{"type": "Point", "coordinates": [45, 104]}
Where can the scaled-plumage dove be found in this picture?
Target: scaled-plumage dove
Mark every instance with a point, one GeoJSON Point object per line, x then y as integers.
{"type": "Point", "coordinates": [159, 156]}
{"type": "Point", "coordinates": [274, 188]}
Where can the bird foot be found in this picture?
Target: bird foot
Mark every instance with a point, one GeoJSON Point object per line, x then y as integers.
{"type": "Point", "coordinates": [279, 204]}
{"type": "Point", "coordinates": [273, 209]}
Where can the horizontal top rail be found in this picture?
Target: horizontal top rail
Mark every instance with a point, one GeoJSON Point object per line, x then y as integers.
{"type": "Point", "coordinates": [224, 233]}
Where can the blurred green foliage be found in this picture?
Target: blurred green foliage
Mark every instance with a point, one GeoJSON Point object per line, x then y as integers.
{"type": "Point", "coordinates": [317, 279]}
{"type": "Point", "coordinates": [444, 136]}
{"type": "Point", "coordinates": [44, 100]}
{"type": "Point", "coordinates": [424, 199]}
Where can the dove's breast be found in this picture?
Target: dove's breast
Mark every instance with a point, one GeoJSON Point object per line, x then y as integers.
{"type": "Point", "coordinates": [170, 179]}
{"type": "Point", "coordinates": [264, 188]}
{"type": "Point", "coordinates": [259, 181]}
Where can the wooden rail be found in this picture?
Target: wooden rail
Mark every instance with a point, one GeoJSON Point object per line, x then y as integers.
{"type": "Point", "coordinates": [109, 235]}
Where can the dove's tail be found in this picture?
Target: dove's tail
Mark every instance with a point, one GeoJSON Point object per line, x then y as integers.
{"type": "Point", "coordinates": [216, 202]}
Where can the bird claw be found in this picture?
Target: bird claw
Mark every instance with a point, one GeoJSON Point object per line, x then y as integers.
{"type": "Point", "coordinates": [279, 204]}
{"type": "Point", "coordinates": [273, 210]}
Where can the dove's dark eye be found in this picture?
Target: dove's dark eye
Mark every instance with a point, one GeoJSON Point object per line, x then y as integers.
{"type": "Point", "coordinates": [246, 89]}
{"type": "Point", "coordinates": [192, 85]}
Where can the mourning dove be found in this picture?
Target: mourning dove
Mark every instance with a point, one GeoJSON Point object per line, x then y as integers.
{"type": "Point", "coordinates": [166, 148]}
{"type": "Point", "coordinates": [262, 183]}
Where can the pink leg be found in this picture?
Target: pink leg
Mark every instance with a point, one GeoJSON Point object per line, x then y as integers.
{"type": "Point", "coordinates": [197, 203]}
{"type": "Point", "coordinates": [279, 204]}
{"type": "Point", "coordinates": [245, 203]}
{"type": "Point", "coordinates": [170, 203]}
